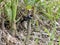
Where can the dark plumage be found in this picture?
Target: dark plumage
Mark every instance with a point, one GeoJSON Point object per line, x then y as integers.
{"type": "Point", "coordinates": [26, 18]}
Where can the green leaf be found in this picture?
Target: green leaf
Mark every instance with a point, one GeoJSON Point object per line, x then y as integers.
{"type": "Point", "coordinates": [31, 2]}
{"type": "Point", "coordinates": [37, 1]}
{"type": "Point", "coordinates": [1, 1]}
{"type": "Point", "coordinates": [14, 9]}
{"type": "Point", "coordinates": [29, 7]}
{"type": "Point", "coordinates": [8, 3]}
{"type": "Point", "coordinates": [37, 40]}
{"type": "Point", "coordinates": [46, 30]}
{"type": "Point", "coordinates": [8, 12]}
{"type": "Point", "coordinates": [37, 23]}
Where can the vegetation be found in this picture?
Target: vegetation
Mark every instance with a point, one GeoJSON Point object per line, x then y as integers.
{"type": "Point", "coordinates": [32, 16]}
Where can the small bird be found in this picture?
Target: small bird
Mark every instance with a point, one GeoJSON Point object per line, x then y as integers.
{"type": "Point", "coordinates": [29, 15]}
{"type": "Point", "coordinates": [25, 19]}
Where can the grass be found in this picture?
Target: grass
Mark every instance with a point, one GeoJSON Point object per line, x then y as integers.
{"type": "Point", "coordinates": [10, 11]}
{"type": "Point", "coordinates": [50, 10]}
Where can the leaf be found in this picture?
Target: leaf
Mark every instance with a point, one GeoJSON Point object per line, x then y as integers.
{"type": "Point", "coordinates": [29, 7]}
{"type": "Point", "coordinates": [46, 30]}
{"type": "Point", "coordinates": [31, 2]}
{"type": "Point", "coordinates": [1, 1]}
{"type": "Point", "coordinates": [8, 12]}
{"type": "Point", "coordinates": [8, 3]}
{"type": "Point", "coordinates": [37, 40]}
{"type": "Point", "coordinates": [14, 9]}
{"type": "Point", "coordinates": [37, 23]}
{"type": "Point", "coordinates": [37, 1]}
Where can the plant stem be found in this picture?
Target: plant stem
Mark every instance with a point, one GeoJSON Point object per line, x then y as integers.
{"type": "Point", "coordinates": [13, 27]}
{"type": "Point", "coordinates": [28, 32]}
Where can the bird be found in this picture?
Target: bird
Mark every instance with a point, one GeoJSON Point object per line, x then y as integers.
{"type": "Point", "coordinates": [29, 15]}
{"type": "Point", "coordinates": [26, 18]}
